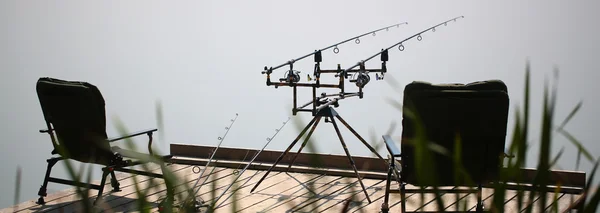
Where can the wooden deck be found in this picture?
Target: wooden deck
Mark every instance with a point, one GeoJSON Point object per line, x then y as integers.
{"type": "Point", "coordinates": [304, 189]}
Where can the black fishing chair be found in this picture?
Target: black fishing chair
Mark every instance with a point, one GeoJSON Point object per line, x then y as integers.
{"type": "Point", "coordinates": [76, 122]}
{"type": "Point", "coordinates": [476, 114]}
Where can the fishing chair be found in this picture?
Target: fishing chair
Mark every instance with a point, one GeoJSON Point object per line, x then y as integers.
{"type": "Point", "coordinates": [475, 115]}
{"type": "Point", "coordinates": [76, 122]}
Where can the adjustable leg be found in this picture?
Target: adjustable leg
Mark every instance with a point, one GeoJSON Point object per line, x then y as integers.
{"type": "Point", "coordinates": [114, 182]}
{"type": "Point", "coordinates": [359, 137]}
{"type": "Point", "coordinates": [304, 143]}
{"type": "Point", "coordinates": [337, 130]}
{"type": "Point", "coordinates": [402, 198]}
{"type": "Point", "coordinates": [385, 206]}
{"type": "Point", "coordinates": [479, 203]}
{"type": "Point", "coordinates": [105, 172]}
{"type": "Point", "coordinates": [42, 192]}
{"type": "Point", "coordinates": [284, 153]}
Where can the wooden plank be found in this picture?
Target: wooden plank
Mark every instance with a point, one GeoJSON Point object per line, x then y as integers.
{"type": "Point", "coordinates": [128, 201]}
{"type": "Point", "coordinates": [206, 192]}
{"type": "Point", "coordinates": [330, 196]}
{"type": "Point", "coordinates": [268, 196]}
{"type": "Point", "coordinates": [457, 201]}
{"type": "Point", "coordinates": [57, 197]}
{"type": "Point", "coordinates": [70, 197]}
{"type": "Point", "coordinates": [221, 178]}
{"type": "Point", "coordinates": [330, 193]}
{"type": "Point", "coordinates": [280, 168]}
{"type": "Point", "coordinates": [556, 177]}
{"type": "Point", "coordinates": [271, 195]}
{"type": "Point", "coordinates": [127, 193]}
{"type": "Point", "coordinates": [567, 201]}
{"type": "Point", "coordinates": [274, 182]}
{"type": "Point", "coordinates": [573, 179]}
{"type": "Point", "coordinates": [529, 201]}
{"type": "Point", "coordinates": [555, 202]}
{"type": "Point", "coordinates": [304, 191]}
{"type": "Point", "coordinates": [349, 190]}
{"type": "Point", "coordinates": [444, 196]}
{"type": "Point", "coordinates": [378, 196]}
{"type": "Point", "coordinates": [269, 156]}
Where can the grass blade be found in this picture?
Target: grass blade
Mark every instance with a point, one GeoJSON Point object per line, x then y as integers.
{"type": "Point", "coordinates": [570, 116]}
{"type": "Point", "coordinates": [17, 186]}
{"type": "Point", "coordinates": [577, 144]}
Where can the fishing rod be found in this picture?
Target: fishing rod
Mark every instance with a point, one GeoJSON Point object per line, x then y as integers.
{"type": "Point", "coordinates": [269, 139]}
{"type": "Point", "coordinates": [335, 50]}
{"type": "Point", "coordinates": [399, 44]}
{"type": "Point", "coordinates": [221, 139]}
{"type": "Point", "coordinates": [322, 106]}
{"type": "Point", "coordinates": [359, 76]}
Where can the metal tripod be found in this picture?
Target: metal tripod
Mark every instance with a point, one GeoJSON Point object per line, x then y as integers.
{"type": "Point", "coordinates": [331, 114]}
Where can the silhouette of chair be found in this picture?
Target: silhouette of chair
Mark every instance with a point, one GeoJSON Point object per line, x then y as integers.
{"type": "Point", "coordinates": [76, 122]}
{"type": "Point", "coordinates": [475, 114]}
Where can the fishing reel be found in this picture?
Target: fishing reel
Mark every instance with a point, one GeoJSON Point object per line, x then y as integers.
{"type": "Point", "coordinates": [291, 76]}
{"type": "Point", "coordinates": [362, 79]}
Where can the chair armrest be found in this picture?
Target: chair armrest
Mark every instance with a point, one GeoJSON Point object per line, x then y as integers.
{"type": "Point", "coordinates": [507, 155]}
{"type": "Point", "coordinates": [390, 144]}
{"type": "Point", "coordinates": [148, 132]}
{"type": "Point", "coordinates": [46, 130]}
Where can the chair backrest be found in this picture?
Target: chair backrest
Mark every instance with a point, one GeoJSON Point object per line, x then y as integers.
{"type": "Point", "coordinates": [476, 112]}
{"type": "Point", "coordinates": [75, 111]}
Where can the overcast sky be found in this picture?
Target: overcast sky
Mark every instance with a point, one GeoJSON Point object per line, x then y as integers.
{"type": "Point", "coordinates": [202, 61]}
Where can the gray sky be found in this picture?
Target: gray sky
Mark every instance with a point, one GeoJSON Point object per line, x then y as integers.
{"type": "Point", "coordinates": [202, 61]}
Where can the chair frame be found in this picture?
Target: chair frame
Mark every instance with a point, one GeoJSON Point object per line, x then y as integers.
{"type": "Point", "coordinates": [118, 164]}
{"type": "Point", "coordinates": [394, 171]}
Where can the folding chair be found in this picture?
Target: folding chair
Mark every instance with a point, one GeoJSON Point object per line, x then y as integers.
{"type": "Point", "coordinates": [76, 122]}
{"type": "Point", "coordinates": [438, 116]}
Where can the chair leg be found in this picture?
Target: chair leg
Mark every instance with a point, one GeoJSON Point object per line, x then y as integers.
{"type": "Point", "coordinates": [402, 198]}
{"type": "Point", "coordinates": [114, 182]}
{"type": "Point", "coordinates": [42, 192]}
{"type": "Point", "coordinates": [105, 172]}
{"type": "Point", "coordinates": [385, 206]}
{"type": "Point", "coordinates": [479, 203]}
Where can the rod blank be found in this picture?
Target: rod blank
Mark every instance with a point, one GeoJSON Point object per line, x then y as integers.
{"type": "Point", "coordinates": [418, 35]}
{"type": "Point", "coordinates": [333, 46]}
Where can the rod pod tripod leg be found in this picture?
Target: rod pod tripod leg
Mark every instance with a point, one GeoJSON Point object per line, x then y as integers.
{"type": "Point", "coordinates": [304, 143]}
{"type": "Point", "coordinates": [328, 113]}
{"type": "Point", "coordinates": [284, 153]}
{"type": "Point", "coordinates": [337, 130]}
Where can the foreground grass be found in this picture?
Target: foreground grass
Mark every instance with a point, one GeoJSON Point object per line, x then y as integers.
{"type": "Point", "coordinates": [519, 147]}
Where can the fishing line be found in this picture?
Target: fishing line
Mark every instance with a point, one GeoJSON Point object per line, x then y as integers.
{"type": "Point", "coordinates": [269, 139]}
{"type": "Point", "coordinates": [221, 139]}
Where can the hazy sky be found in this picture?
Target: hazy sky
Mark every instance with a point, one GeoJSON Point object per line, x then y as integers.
{"type": "Point", "coordinates": [202, 60]}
